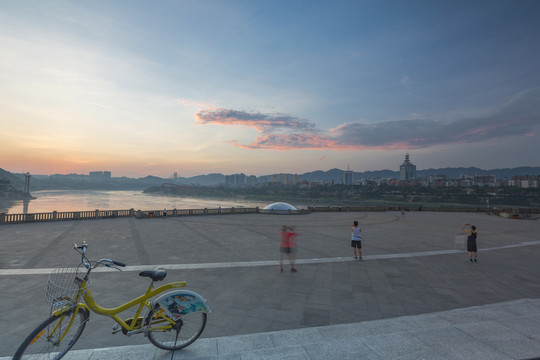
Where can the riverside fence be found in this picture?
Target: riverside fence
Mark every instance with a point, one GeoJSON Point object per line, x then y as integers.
{"type": "Point", "coordinates": [102, 214]}
{"type": "Point", "coordinates": [149, 214]}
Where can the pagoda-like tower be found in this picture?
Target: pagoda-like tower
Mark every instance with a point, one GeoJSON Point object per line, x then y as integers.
{"type": "Point", "coordinates": [407, 170]}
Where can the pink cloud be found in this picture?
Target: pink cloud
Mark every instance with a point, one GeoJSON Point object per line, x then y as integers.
{"type": "Point", "coordinates": [282, 142]}
{"type": "Point", "coordinates": [259, 121]}
{"type": "Point", "coordinates": [285, 132]}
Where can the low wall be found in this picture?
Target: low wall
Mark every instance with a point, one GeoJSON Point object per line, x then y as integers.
{"type": "Point", "coordinates": [148, 214]}
{"type": "Point", "coordinates": [102, 214]}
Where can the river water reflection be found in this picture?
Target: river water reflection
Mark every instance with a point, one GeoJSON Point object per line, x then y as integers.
{"type": "Point", "coordinates": [82, 200]}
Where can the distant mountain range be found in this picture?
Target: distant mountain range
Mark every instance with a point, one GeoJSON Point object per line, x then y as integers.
{"type": "Point", "coordinates": [76, 181]}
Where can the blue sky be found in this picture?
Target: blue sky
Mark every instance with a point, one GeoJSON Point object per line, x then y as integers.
{"type": "Point", "coordinates": [194, 87]}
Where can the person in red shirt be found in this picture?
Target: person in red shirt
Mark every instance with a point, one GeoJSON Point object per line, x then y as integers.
{"type": "Point", "coordinates": [287, 246]}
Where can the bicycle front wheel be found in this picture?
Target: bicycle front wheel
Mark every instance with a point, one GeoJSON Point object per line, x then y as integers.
{"type": "Point", "coordinates": [53, 338]}
{"type": "Point", "coordinates": [175, 336]}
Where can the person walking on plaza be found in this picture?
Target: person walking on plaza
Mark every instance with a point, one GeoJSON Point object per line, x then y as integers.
{"type": "Point", "coordinates": [472, 248]}
{"type": "Point", "coordinates": [356, 240]}
{"type": "Point", "coordinates": [287, 246]}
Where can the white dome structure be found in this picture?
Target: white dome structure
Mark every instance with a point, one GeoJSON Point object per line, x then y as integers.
{"type": "Point", "coordinates": [279, 208]}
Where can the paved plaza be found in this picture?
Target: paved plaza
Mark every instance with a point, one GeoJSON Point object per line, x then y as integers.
{"type": "Point", "coordinates": [413, 272]}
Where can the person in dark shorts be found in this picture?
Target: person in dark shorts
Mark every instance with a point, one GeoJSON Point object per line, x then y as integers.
{"type": "Point", "coordinates": [472, 247]}
{"type": "Point", "coordinates": [356, 240]}
{"type": "Point", "coordinates": [287, 246]}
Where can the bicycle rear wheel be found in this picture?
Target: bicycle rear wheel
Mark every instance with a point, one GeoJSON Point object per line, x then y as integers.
{"type": "Point", "coordinates": [52, 339]}
{"type": "Point", "coordinates": [178, 336]}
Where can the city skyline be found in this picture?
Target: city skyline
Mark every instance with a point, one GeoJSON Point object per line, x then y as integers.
{"type": "Point", "coordinates": [406, 171]}
{"type": "Point", "coordinates": [153, 88]}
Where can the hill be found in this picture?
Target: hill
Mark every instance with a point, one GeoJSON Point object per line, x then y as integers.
{"type": "Point", "coordinates": [17, 181]}
{"type": "Point", "coordinates": [76, 182]}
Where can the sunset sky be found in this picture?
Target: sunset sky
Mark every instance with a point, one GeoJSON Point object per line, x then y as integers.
{"type": "Point", "coordinates": [195, 87]}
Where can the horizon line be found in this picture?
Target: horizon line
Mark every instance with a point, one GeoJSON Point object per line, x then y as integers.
{"type": "Point", "coordinates": [271, 174]}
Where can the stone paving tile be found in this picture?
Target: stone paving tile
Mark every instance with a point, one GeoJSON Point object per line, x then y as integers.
{"type": "Point", "coordinates": [180, 355]}
{"type": "Point", "coordinates": [502, 338]}
{"type": "Point", "coordinates": [279, 325]}
{"type": "Point", "coordinates": [525, 309]}
{"type": "Point", "coordinates": [334, 350]}
{"type": "Point", "coordinates": [455, 344]}
{"type": "Point", "coordinates": [239, 344]}
{"type": "Point", "coordinates": [315, 317]}
{"type": "Point", "coordinates": [424, 321]}
{"type": "Point", "coordinates": [254, 324]}
{"type": "Point", "coordinates": [527, 325]}
{"type": "Point", "coordinates": [385, 326]}
{"type": "Point", "coordinates": [124, 353]}
{"type": "Point", "coordinates": [285, 353]}
{"type": "Point", "coordinates": [293, 337]}
{"type": "Point", "coordinates": [200, 349]}
{"type": "Point", "coordinates": [393, 345]}
{"type": "Point", "coordinates": [75, 355]}
{"type": "Point", "coordinates": [344, 331]}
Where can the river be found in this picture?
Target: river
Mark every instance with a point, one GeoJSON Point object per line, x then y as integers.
{"type": "Point", "coordinates": [82, 200]}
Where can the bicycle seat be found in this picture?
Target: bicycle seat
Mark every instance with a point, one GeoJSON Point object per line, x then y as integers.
{"type": "Point", "coordinates": [156, 275]}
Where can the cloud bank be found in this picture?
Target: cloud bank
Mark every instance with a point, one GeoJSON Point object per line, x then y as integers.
{"type": "Point", "coordinates": [519, 117]}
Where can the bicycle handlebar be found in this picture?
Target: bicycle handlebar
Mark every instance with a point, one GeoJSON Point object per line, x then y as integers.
{"type": "Point", "coordinates": [81, 249]}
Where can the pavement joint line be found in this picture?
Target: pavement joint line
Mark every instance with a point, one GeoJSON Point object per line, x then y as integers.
{"type": "Point", "coordinates": [41, 271]}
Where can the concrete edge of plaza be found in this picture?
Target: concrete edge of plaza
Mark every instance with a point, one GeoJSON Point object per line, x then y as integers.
{"type": "Point", "coordinates": [507, 330]}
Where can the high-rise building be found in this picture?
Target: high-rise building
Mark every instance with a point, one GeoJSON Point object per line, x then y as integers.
{"type": "Point", "coordinates": [251, 180]}
{"type": "Point", "coordinates": [99, 176]}
{"type": "Point", "coordinates": [240, 179]}
{"type": "Point", "coordinates": [407, 170]}
{"type": "Point", "coordinates": [348, 177]}
{"type": "Point", "coordinates": [237, 180]}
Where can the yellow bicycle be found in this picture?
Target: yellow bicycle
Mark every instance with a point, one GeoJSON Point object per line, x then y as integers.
{"type": "Point", "coordinates": [173, 321]}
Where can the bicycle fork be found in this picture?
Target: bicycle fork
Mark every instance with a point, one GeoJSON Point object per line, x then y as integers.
{"type": "Point", "coordinates": [57, 330]}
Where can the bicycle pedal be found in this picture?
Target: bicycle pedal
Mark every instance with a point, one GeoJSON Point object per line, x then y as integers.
{"type": "Point", "coordinates": [116, 329]}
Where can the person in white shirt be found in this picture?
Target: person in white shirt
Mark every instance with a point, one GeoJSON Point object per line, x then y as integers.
{"type": "Point", "coordinates": [356, 240]}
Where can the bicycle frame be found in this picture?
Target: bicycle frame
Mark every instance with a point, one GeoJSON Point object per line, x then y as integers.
{"type": "Point", "coordinates": [142, 301]}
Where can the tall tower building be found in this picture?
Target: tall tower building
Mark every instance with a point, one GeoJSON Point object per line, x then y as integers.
{"type": "Point", "coordinates": [348, 177]}
{"type": "Point", "coordinates": [27, 183]}
{"type": "Point", "coordinates": [407, 170]}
